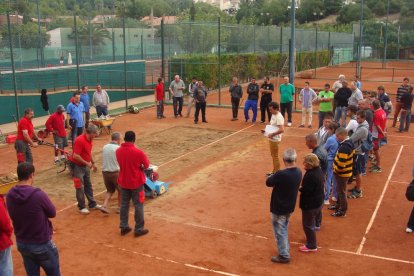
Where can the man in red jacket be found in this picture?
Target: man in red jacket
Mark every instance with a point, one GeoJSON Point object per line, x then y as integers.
{"type": "Point", "coordinates": [56, 124]}
{"type": "Point", "coordinates": [131, 179]}
{"type": "Point", "coordinates": [6, 231]}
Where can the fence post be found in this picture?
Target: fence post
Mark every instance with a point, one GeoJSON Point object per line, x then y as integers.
{"type": "Point", "coordinates": [254, 39]}
{"type": "Point", "coordinates": [16, 99]}
{"type": "Point", "coordinates": [219, 60]}
{"type": "Point", "coordinates": [77, 51]}
{"type": "Point", "coordinates": [162, 50]}
{"type": "Point", "coordinates": [113, 45]}
{"type": "Point", "coordinates": [281, 40]}
{"type": "Point", "coordinates": [142, 46]}
{"type": "Point", "coordinates": [125, 63]}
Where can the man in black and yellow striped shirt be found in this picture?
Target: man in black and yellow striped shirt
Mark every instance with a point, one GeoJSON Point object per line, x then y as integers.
{"type": "Point", "coordinates": [342, 167]}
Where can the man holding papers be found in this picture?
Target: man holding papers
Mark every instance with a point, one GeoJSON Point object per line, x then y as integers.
{"type": "Point", "coordinates": [274, 132]}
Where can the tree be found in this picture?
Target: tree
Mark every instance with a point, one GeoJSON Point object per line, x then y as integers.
{"type": "Point", "coordinates": [351, 13]}
{"type": "Point", "coordinates": [25, 35]}
{"type": "Point", "coordinates": [332, 6]}
{"type": "Point", "coordinates": [91, 33]}
{"type": "Point", "coordinates": [308, 7]}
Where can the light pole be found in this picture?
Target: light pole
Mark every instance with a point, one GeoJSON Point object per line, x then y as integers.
{"type": "Point", "coordinates": [360, 39]}
{"type": "Point", "coordinates": [292, 8]}
{"type": "Point", "coordinates": [42, 61]}
{"type": "Point", "coordinates": [386, 35]}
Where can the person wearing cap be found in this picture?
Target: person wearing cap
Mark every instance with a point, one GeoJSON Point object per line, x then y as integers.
{"type": "Point", "coordinates": [83, 163]}
{"type": "Point", "coordinates": [56, 124]}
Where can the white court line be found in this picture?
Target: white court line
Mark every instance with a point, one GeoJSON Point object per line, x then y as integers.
{"type": "Point", "coordinates": [76, 203]}
{"type": "Point", "coordinates": [202, 147]}
{"type": "Point", "coordinates": [167, 260]}
{"type": "Point", "coordinates": [371, 222]}
{"type": "Point", "coordinates": [402, 182]}
{"type": "Point", "coordinates": [373, 256]}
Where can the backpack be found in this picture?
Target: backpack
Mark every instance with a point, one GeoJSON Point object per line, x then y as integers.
{"type": "Point", "coordinates": [409, 194]}
{"type": "Point", "coordinates": [368, 144]}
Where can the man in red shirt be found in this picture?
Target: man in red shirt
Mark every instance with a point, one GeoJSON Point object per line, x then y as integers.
{"type": "Point", "coordinates": [159, 98]}
{"type": "Point", "coordinates": [131, 179]}
{"type": "Point", "coordinates": [56, 124]}
{"type": "Point", "coordinates": [378, 133]}
{"type": "Point", "coordinates": [83, 163]}
{"type": "Point", "coordinates": [25, 135]}
{"type": "Point", "coordinates": [6, 231]}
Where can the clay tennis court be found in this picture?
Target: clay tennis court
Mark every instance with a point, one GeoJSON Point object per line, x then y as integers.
{"type": "Point", "coordinates": [215, 217]}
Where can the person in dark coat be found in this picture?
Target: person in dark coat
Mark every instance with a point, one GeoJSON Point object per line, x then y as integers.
{"type": "Point", "coordinates": [311, 200]}
{"type": "Point", "coordinates": [44, 100]}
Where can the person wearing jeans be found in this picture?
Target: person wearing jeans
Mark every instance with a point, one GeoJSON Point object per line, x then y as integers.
{"type": "Point", "coordinates": [252, 98]}
{"type": "Point", "coordinates": [307, 97]}
{"type": "Point", "coordinates": [331, 146]}
{"type": "Point", "coordinates": [6, 232]}
{"type": "Point", "coordinates": [30, 210]}
{"type": "Point", "coordinates": [40, 255]}
{"type": "Point", "coordinates": [131, 179]}
{"type": "Point", "coordinates": [83, 163]}
{"type": "Point", "coordinates": [406, 102]}
{"type": "Point", "coordinates": [402, 89]}
{"type": "Point", "coordinates": [285, 184]}
{"type": "Point", "coordinates": [177, 88]}
{"type": "Point", "coordinates": [75, 117]}
{"type": "Point", "coordinates": [159, 98]}
{"type": "Point", "coordinates": [100, 101]}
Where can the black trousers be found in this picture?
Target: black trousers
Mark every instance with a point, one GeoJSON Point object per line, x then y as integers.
{"type": "Point", "coordinates": [264, 108]}
{"type": "Point", "coordinates": [177, 103]}
{"type": "Point", "coordinates": [286, 107]}
{"type": "Point", "coordinates": [235, 106]}
{"type": "Point", "coordinates": [202, 106]}
{"type": "Point", "coordinates": [309, 218]}
{"type": "Point", "coordinates": [410, 223]}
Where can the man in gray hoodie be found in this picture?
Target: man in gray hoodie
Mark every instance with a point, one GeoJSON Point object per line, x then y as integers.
{"type": "Point", "coordinates": [357, 138]}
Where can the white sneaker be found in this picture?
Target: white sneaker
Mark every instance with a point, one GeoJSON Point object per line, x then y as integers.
{"type": "Point", "coordinates": [84, 211]}
{"type": "Point", "coordinates": [409, 230]}
{"type": "Point", "coordinates": [334, 199]}
{"type": "Point", "coordinates": [326, 202]}
{"type": "Point", "coordinates": [97, 207]}
{"type": "Point", "coordinates": [289, 124]}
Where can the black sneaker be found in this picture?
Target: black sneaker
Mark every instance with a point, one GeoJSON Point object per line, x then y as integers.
{"type": "Point", "coordinates": [352, 190]}
{"type": "Point", "coordinates": [269, 174]}
{"type": "Point", "coordinates": [280, 259]}
{"type": "Point", "coordinates": [125, 231]}
{"type": "Point", "coordinates": [333, 207]}
{"type": "Point", "coordinates": [141, 232]}
{"type": "Point", "coordinates": [338, 214]}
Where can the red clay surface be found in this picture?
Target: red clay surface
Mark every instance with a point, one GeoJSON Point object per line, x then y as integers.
{"type": "Point", "coordinates": [215, 217]}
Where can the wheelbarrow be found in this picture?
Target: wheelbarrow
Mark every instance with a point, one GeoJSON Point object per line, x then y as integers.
{"type": "Point", "coordinates": [4, 188]}
{"type": "Point", "coordinates": [103, 124]}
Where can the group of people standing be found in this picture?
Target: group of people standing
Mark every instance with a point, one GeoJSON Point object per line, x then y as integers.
{"type": "Point", "coordinates": [340, 154]}
{"type": "Point", "coordinates": [30, 209]}
{"type": "Point", "coordinates": [197, 95]}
